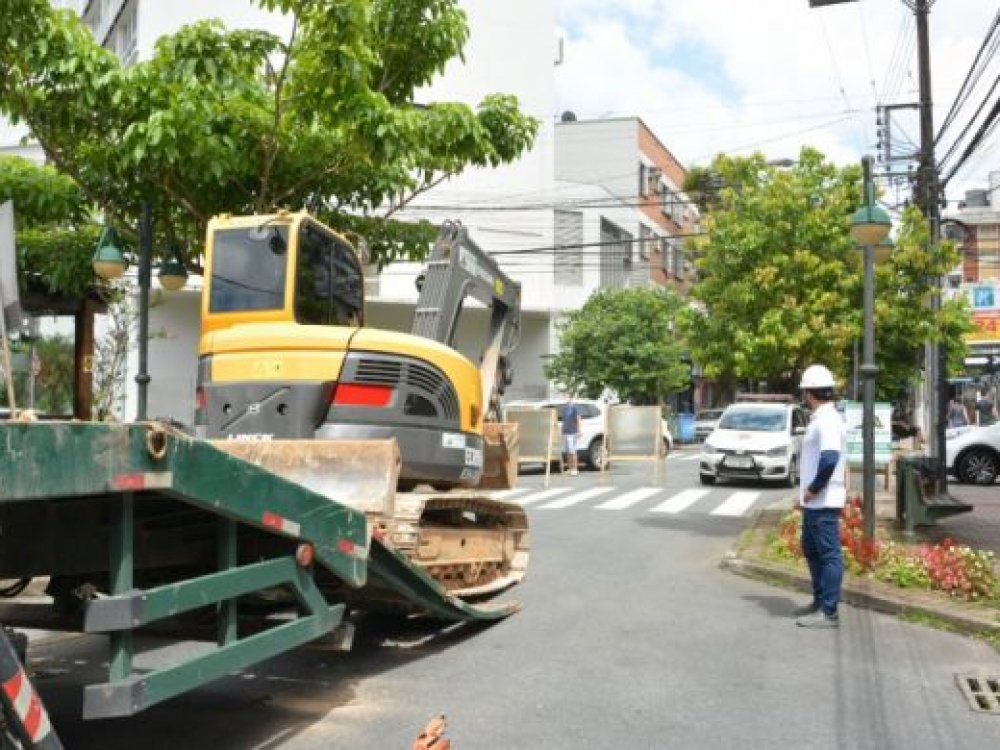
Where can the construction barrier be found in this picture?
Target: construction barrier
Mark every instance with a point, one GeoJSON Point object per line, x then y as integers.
{"type": "Point", "coordinates": [635, 433]}
{"type": "Point", "coordinates": [538, 437]}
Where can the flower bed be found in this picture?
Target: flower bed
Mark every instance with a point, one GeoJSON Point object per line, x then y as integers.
{"type": "Point", "coordinates": [955, 569]}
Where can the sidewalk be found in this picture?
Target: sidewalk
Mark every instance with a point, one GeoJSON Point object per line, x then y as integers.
{"type": "Point", "coordinates": [979, 529]}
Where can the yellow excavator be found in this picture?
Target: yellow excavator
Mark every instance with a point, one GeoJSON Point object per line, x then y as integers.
{"type": "Point", "coordinates": [285, 353]}
{"type": "Point", "coordinates": [291, 378]}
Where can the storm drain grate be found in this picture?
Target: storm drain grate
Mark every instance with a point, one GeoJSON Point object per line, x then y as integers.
{"type": "Point", "coordinates": [982, 692]}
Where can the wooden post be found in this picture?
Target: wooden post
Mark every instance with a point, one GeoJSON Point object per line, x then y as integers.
{"type": "Point", "coordinates": [83, 360]}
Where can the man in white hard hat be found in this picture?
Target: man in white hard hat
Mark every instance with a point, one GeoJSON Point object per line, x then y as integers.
{"type": "Point", "coordinates": [822, 494]}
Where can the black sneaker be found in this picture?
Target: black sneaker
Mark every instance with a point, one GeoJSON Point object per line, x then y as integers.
{"type": "Point", "coordinates": [808, 609]}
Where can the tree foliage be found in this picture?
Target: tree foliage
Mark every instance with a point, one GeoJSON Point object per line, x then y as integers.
{"type": "Point", "coordinates": [55, 237]}
{"type": "Point", "coordinates": [780, 280]}
{"type": "Point", "coordinates": [622, 339]}
{"type": "Point", "coordinates": [246, 122]}
{"type": "Point", "coordinates": [903, 321]}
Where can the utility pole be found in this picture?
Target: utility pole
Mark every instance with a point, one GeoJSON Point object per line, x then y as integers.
{"type": "Point", "coordinates": [935, 353]}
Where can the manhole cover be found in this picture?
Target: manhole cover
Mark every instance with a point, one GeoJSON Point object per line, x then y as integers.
{"type": "Point", "coordinates": [982, 692]}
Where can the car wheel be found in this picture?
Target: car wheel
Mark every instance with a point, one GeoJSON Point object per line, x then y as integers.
{"type": "Point", "coordinates": [978, 466]}
{"type": "Point", "coordinates": [793, 473]}
{"type": "Point", "coordinates": [706, 478]}
{"type": "Point", "coordinates": [597, 456]}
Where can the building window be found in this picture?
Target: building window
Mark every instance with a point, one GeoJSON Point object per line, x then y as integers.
{"type": "Point", "coordinates": [672, 204]}
{"type": "Point", "coordinates": [568, 256]}
{"type": "Point", "coordinates": [647, 242]}
{"type": "Point", "coordinates": [653, 175]}
{"type": "Point", "coordinates": [667, 256]}
{"type": "Point", "coordinates": [126, 36]}
{"type": "Point", "coordinates": [673, 258]}
{"type": "Point", "coordinates": [643, 180]}
{"type": "Point", "coordinates": [616, 255]}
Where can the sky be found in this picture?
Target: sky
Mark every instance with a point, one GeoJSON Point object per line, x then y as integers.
{"type": "Point", "coordinates": [738, 76]}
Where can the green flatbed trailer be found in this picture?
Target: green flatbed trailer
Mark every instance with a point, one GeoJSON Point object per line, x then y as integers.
{"type": "Point", "coordinates": [163, 525]}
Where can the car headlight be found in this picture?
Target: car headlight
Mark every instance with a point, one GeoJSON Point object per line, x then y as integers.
{"type": "Point", "coordinates": [709, 449]}
{"type": "Point", "coordinates": [781, 450]}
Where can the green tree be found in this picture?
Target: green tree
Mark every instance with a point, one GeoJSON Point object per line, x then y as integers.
{"type": "Point", "coordinates": [780, 280]}
{"type": "Point", "coordinates": [54, 382]}
{"type": "Point", "coordinates": [903, 321]}
{"type": "Point", "coordinates": [245, 122]}
{"type": "Point", "coordinates": [776, 271]}
{"type": "Point", "coordinates": [622, 339]}
{"type": "Point", "coordinates": [55, 235]}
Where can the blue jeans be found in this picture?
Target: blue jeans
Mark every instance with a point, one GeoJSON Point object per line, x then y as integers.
{"type": "Point", "coordinates": [821, 547]}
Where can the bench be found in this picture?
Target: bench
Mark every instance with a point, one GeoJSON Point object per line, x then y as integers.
{"type": "Point", "coordinates": [918, 503]}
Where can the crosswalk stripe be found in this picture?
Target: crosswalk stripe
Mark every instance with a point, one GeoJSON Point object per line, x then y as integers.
{"type": "Point", "coordinates": [680, 501]}
{"type": "Point", "coordinates": [543, 495]}
{"type": "Point", "coordinates": [579, 497]}
{"type": "Point", "coordinates": [736, 504]}
{"type": "Point", "coordinates": [508, 494]}
{"type": "Point", "coordinates": [629, 498]}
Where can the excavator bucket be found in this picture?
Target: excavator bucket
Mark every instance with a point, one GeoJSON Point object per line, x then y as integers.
{"type": "Point", "coordinates": [500, 448]}
{"type": "Point", "coordinates": [360, 474]}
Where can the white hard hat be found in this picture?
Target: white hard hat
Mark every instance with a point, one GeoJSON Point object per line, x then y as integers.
{"type": "Point", "coordinates": [816, 376]}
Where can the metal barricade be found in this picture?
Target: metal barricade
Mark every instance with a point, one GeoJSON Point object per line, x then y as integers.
{"type": "Point", "coordinates": [538, 437]}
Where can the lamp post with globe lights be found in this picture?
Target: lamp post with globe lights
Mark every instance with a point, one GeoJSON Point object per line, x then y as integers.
{"type": "Point", "coordinates": [869, 228]}
{"type": "Point", "coordinates": [109, 263]}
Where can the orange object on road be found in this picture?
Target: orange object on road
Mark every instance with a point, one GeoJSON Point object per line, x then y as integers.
{"type": "Point", "coordinates": [431, 738]}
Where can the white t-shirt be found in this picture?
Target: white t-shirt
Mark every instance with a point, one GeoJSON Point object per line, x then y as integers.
{"type": "Point", "coordinates": [826, 432]}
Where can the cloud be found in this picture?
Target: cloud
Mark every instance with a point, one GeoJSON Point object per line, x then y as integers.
{"type": "Point", "coordinates": [714, 76]}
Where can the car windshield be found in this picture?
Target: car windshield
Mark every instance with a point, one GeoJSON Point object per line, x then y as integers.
{"type": "Point", "coordinates": [754, 420]}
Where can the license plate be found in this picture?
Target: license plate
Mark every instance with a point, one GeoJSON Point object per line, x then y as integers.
{"type": "Point", "coordinates": [739, 462]}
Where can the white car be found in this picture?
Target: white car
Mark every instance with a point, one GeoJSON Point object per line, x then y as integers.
{"type": "Point", "coordinates": [705, 421]}
{"type": "Point", "coordinates": [755, 440]}
{"type": "Point", "coordinates": [973, 454]}
{"type": "Point", "coordinates": [593, 416]}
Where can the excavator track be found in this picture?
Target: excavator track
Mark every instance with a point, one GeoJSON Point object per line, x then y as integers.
{"type": "Point", "coordinates": [471, 543]}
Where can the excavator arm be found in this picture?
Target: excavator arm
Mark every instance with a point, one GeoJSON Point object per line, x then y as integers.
{"type": "Point", "coordinates": [458, 268]}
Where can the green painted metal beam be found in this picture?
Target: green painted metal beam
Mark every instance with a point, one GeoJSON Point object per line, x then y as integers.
{"type": "Point", "coordinates": [135, 608]}
{"type": "Point", "coordinates": [395, 571]}
{"type": "Point", "coordinates": [70, 460]}
{"type": "Point", "coordinates": [139, 692]}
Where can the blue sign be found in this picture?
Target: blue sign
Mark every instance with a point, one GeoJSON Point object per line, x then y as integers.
{"type": "Point", "coordinates": [984, 297]}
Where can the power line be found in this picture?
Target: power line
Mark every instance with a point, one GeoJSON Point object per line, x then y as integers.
{"type": "Point", "coordinates": [971, 77]}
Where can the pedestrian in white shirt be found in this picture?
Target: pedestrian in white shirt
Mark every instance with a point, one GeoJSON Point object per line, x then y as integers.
{"type": "Point", "coordinates": [822, 495]}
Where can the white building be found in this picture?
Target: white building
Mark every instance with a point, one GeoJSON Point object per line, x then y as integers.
{"type": "Point", "coordinates": [609, 232]}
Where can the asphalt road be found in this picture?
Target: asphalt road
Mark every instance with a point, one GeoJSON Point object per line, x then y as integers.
{"type": "Point", "coordinates": [630, 636]}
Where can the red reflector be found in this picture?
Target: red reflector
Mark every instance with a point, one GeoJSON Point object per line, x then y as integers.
{"type": "Point", "coordinates": [201, 401]}
{"type": "Point", "coordinates": [345, 546]}
{"type": "Point", "coordinates": [352, 394]}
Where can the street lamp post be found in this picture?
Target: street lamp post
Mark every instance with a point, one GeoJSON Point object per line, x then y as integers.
{"type": "Point", "coordinates": [869, 227]}
{"type": "Point", "coordinates": [145, 279]}
{"type": "Point", "coordinates": [109, 263]}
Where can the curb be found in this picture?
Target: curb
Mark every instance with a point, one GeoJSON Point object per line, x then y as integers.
{"type": "Point", "coordinates": [744, 559]}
